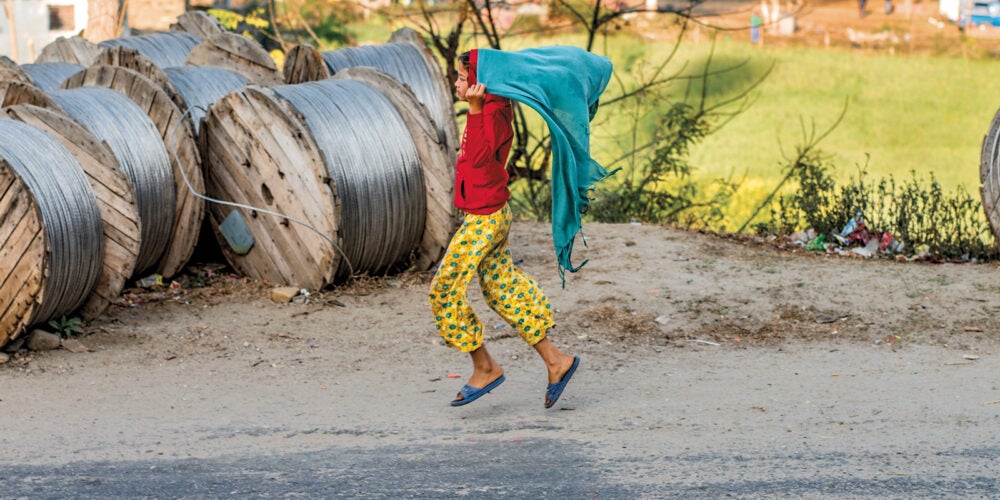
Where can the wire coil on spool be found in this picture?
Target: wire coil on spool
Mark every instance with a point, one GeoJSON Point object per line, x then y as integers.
{"type": "Point", "coordinates": [166, 49]}
{"type": "Point", "coordinates": [404, 62]}
{"type": "Point", "coordinates": [141, 153]}
{"type": "Point", "coordinates": [201, 86]}
{"type": "Point", "coordinates": [48, 76]}
{"type": "Point", "coordinates": [373, 163]}
{"type": "Point", "coordinates": [115, 200]}
{"type": "Point", "coordinates": [69, 212]}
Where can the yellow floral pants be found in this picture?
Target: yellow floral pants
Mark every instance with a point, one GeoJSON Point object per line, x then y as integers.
{"type": "Point", "coordinates": [480, 247]}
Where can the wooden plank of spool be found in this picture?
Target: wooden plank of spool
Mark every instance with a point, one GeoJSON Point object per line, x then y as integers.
{"type": "Point", "coordinates": [438, 168]}
{"type": "Point", "coordinates": [198, 23]}
{"type": "Point", "coordinates": [134, 60]}
{"type": "Point", "coordinates": [239, 54]}
{"type": "Point", "coordinates": [257, 154]}
{"type": "Point", "coordinates": [442, 88]}
{"type": "Point", "coordinates": [190, 209]}
{"type": "Point", "coordinates": [75, 49]}
{"type": "Point", "coordinates": [10, 70]}
{"type": "Point", "coordinates": [23, 255]}
{"type": "Point", "coordinates": [115, 199]}
{"type": "Point", "coordinates": [14, 92]}
{"type": "Point", "coordinates": [305, 64]}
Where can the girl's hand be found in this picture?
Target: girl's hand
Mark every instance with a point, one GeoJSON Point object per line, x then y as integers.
{"type": "Point", "coordinates": [476, 95]}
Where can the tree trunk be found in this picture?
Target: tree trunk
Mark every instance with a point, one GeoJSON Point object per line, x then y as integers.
{"type": "Point", "coordinates": [102, 20]}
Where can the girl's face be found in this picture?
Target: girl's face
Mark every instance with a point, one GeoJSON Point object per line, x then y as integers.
{"type": "Point", "coordinates": [462, 84]}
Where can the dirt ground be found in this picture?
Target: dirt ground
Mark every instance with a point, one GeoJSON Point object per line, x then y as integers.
{"type": "Point", "coordinates": [720, 344]}
{"type": "Point", "coordinates": [750, 346]}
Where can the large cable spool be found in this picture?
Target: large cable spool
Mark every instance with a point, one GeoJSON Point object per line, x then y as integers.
{"type": "Point", "coordinates": [239, 54]}
{"type": "Point", "coordinates": [198, 23]}
{"type": "Point", "coordinates": [175, 135]}
{"type": "Point", "coordinates": [50, 230]}
{"type": "Point", "coordinates": [405, 57]}
{"type": "Point", "coordinates": [989, 174]}
{"type": "Point", "coordinates": [18, 92]}
{"type": "Point", "coordinates": [435, 159]}
{"type": "Point", "coordinates": [74, 49]}
{"type": "Point", "coordinates": [115, 199]}
{"type": "Point", "coordinates": [257, 153]}
{"type": "Point", "coordinates": [11, 71]}
{"type": "Point", "coordinates": [294, 150]}
{"type": "Point", "coordinates": [50, 75]}
{"type": "Point", "coordinates": [132, 137]}
{"type": "Point", "coordinates": [165, 49]}
{"type": "Point", "coordinates": [189, 87]}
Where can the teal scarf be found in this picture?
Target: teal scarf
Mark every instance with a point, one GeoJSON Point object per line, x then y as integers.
{"type": "Point", "coordinates": [563, 85]}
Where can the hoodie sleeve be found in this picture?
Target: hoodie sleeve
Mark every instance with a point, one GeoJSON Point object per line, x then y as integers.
{"type": "Point", "coordinates": [488, 136]}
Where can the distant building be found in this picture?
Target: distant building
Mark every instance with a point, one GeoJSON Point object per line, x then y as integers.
{"type": "Point", "coordinates": [38, 23]}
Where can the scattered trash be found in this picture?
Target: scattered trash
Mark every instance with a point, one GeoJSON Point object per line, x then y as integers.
{"type": "Point", "coordinates": [284, 294]}
{"type": "Point", "coordinates": [970, 357]}
{"type": "Point", "coordinates": [855, 225]}
{"type": "Point", "coordinates": [453, 375]}
{"type": "Point", "coordinates": [817, 244]}
{"type": "Point", "coordinates": [150, 281]}
{"type": "Point", "coordinates": [663, 320]}
{"type": "Point", "coordinates": [829, 319]}
{"type": "Point", "coordinates": [855, 239]}
{"type": "Point", "coordinates": [702, 341]}
{"type": "Point", "coordinates": [972, 329]}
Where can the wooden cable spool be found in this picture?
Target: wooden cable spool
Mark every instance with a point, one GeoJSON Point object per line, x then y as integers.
{"type": "Point", "coordinates": [306, 64]}
{"type": "Point", "coordinates": [442, 88]}
{"type": "Point", "coordinates": [260, 152]}
{"type": "Point", "coordinates": [75, 49]}
{"type": "Point", "coordinates": [187, 162]}
{"type": "Point", "coordinates": [239, 54]}
{"type": "Point", "coordinates": [198, 23]}
{"type": "Point", "coordinates": [115, 197]}
{"type": "Point", "coordinates": [17, 92]}
{"type": "Point", "coordinates": [23, 255]}
{"type": "Point", "coordinates": [989, 174]}
{"type": "Point", "coordinates": [435, 160]}
{"type": "Point", "coordinates": [11, 71]}
{"type": "Point", "coordinates": [129, 58]}
{"type": "Point", "coordinates": [257, 152]}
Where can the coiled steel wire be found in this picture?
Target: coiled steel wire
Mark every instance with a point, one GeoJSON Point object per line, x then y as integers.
{"type": "Point", "coordinates": [406, 64]}
{"type": "Point", "coordinates": [374, 165]}
{"type": "Point", "coordinates": [201, 86]}
{"type": "Point", "coordinates": [49, 75]}
{"type": "Point", "coordinates": [166, 49]}
{"type": "Point", "coordinates": [69, 213]}
{"type": "Point", "coordinates": [139, 148]}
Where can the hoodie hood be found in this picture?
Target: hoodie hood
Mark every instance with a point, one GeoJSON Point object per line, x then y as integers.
{"type": "Point", "coordinates": [473, 63]}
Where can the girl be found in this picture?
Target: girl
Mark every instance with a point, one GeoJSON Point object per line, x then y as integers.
{"type": "Point", "coordinates": [480, 247]}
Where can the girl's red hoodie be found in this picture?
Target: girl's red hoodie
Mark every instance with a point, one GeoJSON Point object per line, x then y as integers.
{"type": "Point", "coordinates": [480, 172]}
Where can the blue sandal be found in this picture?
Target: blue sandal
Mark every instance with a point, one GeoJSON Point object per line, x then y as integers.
{"type": "Point", "coordinates": [470, 394]}
{"type": "Point", "coordinates": [555, 390]}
